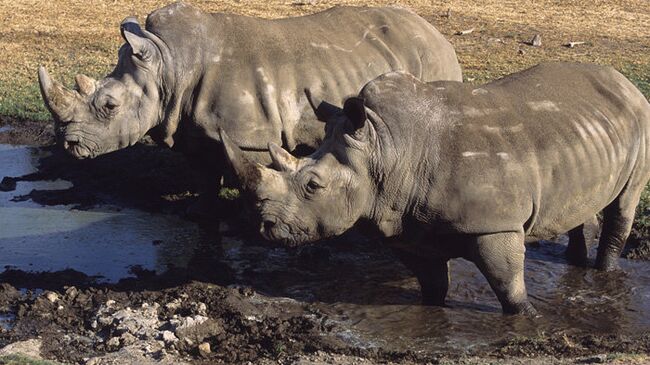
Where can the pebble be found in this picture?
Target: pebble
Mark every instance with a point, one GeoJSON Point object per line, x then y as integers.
{"type": "Point", "coordinates": [169, 337]}
{"type": "Point", "coordinates": [204, 349]}
{"type": "Point", "coordinates": [52, 296]}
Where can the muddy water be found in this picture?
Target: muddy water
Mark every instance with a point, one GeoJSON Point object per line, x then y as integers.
{"type": "Point", "coordinates": [375, 299]}
{"type": "Point", "coordinates": [106, 242]}
{"type": "Point", "coordinates": [370, 299]}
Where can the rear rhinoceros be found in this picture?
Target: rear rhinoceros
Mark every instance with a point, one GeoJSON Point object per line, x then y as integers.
{"type": "Point", "coordinates": [453, 170]}
{"type": "Point", "coordinates": [189, 73]}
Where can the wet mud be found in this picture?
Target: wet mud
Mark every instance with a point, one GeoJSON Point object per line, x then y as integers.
{"type": "Point", "coordinates": [102, 264]}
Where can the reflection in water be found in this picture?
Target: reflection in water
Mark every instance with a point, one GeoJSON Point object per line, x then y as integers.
{"type": "Point", "coordinates": [369, 297]}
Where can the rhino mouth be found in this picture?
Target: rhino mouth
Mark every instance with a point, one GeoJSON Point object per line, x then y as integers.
{"type": "Point", "coordinates": [275, 231]}
{"type": "Point", "coordinates": [76, 146]}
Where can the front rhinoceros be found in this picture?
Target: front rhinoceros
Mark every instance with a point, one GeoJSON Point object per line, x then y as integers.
{"type": "Point", "coordinates": [189, 73]}
{"type": "Point", "coordinates": [453, 170]}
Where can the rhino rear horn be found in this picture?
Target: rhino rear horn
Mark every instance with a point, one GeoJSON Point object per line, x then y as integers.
{"type": "Point", "coordinates": [58, 99]}
{"type": "Point", "coordinates": [246, 171]}
{"type": "Point", "coordinates": [85, 84]}
{"type": "Point", "coordinates": [282, 160]}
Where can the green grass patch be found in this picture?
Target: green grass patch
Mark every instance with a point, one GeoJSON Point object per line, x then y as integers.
{"type": "Point", "coordinates": [22, 102]}
{"type": "Point", "coordinates": [229, 193]}
{"type": "Point", "coordinates": [639, 75]}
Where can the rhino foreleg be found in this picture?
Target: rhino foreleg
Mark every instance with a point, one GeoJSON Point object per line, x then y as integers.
{"type": "Point", "coordinates": [500, 257]}
{"type": "Point", "coordinates": [433, 276]}
{"type": "Point", "coordinates": [434, 283]}
{"type": "Point", "coordinates": [576, 251]}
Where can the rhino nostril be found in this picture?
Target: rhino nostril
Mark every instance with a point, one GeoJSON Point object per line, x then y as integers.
{"type": "Point", "coordinates": [268, 225]}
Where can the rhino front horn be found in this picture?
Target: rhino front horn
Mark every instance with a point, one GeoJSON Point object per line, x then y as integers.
{"type": "Point", "coordinates": [246, 171]}
{"type": "Point", "coordinates": [58, 99]}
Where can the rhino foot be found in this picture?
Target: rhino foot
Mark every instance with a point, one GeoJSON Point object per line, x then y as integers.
{"type": "Point", "coordinates": [524, 308]}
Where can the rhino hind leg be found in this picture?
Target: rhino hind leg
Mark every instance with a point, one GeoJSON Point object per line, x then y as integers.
{"type": "Point", "coordinates": [500, 257]}
{"type": "Point", "coordinates": [617, 224]}
{"type": "Point", "coordinates": [576, 251]}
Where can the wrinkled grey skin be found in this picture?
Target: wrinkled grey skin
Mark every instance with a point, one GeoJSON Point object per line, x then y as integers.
{"type": "Point", "coordinates": [451, 170]}
{"type": "Point", "coordinates": [190, 73]}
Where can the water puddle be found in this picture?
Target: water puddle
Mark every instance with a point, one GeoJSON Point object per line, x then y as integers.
{"type": "Point", "coordinates": [105, 242]}
{"type": "Point", "coordinates": [375, 302]}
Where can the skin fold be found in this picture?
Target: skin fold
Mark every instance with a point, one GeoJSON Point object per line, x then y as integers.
{"type": "Point", "coordinates": [446, 170]}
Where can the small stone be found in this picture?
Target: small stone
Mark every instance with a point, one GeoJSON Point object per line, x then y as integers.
{"type": "Point", "coordinates": [204, 349]}
{"type": "Point", "coordinates": [110, 302]}
{"type": "Point", "coordinates": [8, 184]}
{"type": "Point", "coordinates": [60, 308]}
{"type": "Point", "coordinates": [71, 292]}
{"type": "Point", "coordinates": [536, 41]}
{"type": "Point", "coordinates": [52, 296]}
{"type": "Point", "coordinates": [169, 337]}
{"type": "Point", "coordinates": [114, 342]}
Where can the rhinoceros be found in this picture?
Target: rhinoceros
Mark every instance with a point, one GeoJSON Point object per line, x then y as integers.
{"type": "Point", "coordinates": [189, 73]}
{"type": "Point", "coordinates": [451, 170]}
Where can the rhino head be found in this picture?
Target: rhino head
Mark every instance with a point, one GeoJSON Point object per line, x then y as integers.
{"type": "Point", "coordinates": [318, 196]}
{"type": "Point", "coordinates": [102, 116]}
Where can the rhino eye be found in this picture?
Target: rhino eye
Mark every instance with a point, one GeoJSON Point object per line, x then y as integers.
{"type": "Point", "coordinates": [313, 186]}
{"type": "Point", "coordinates": [110, 105]}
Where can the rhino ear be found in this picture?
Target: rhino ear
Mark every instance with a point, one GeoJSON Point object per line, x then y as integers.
{"type": "Point", "coordinates": [282, 160]}
{"type": "Point", "coordinates": [355, 109]}
{"type": "Point", "coordinates": [142, 47]}
{"type": "Point", "coordinates": [323, 110]}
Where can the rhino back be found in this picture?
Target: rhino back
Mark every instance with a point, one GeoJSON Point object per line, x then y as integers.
{"type": "Point", "coordinates": [254, 71]}
{"type": "Point", "coordinates": [545, 148]}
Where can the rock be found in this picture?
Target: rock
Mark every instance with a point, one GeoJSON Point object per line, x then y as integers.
{"type": "Point", "coordinates": [196, 328]}
{"type": "Point", "coordinates": [169, 337]}
{"type": "Point", "coordinates": [8, 184]}
{"type": "Point", "coordinates": [52, 296]}
{"type": "Point", "coordinates": [71, 293]}
{"type": "Point", "coordinates": [29, 348]}
{"type": "Point", "coordinates": [113, 343]}
{"type": "Point", "coordinates": [136, 354]}
{"type": "Point", "coordinates": [536, 41]}
{"type": "Point", "coordinates": [204, 349]}
{"type": "Point", "coordinates": [173, 305]}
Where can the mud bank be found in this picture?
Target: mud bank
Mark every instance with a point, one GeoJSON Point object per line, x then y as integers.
{"type": "Point", "coordinates": [217, 294]}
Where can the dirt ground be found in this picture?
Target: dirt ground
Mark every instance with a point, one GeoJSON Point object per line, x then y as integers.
{"type": "Point", "coordinates": [196, 316]}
